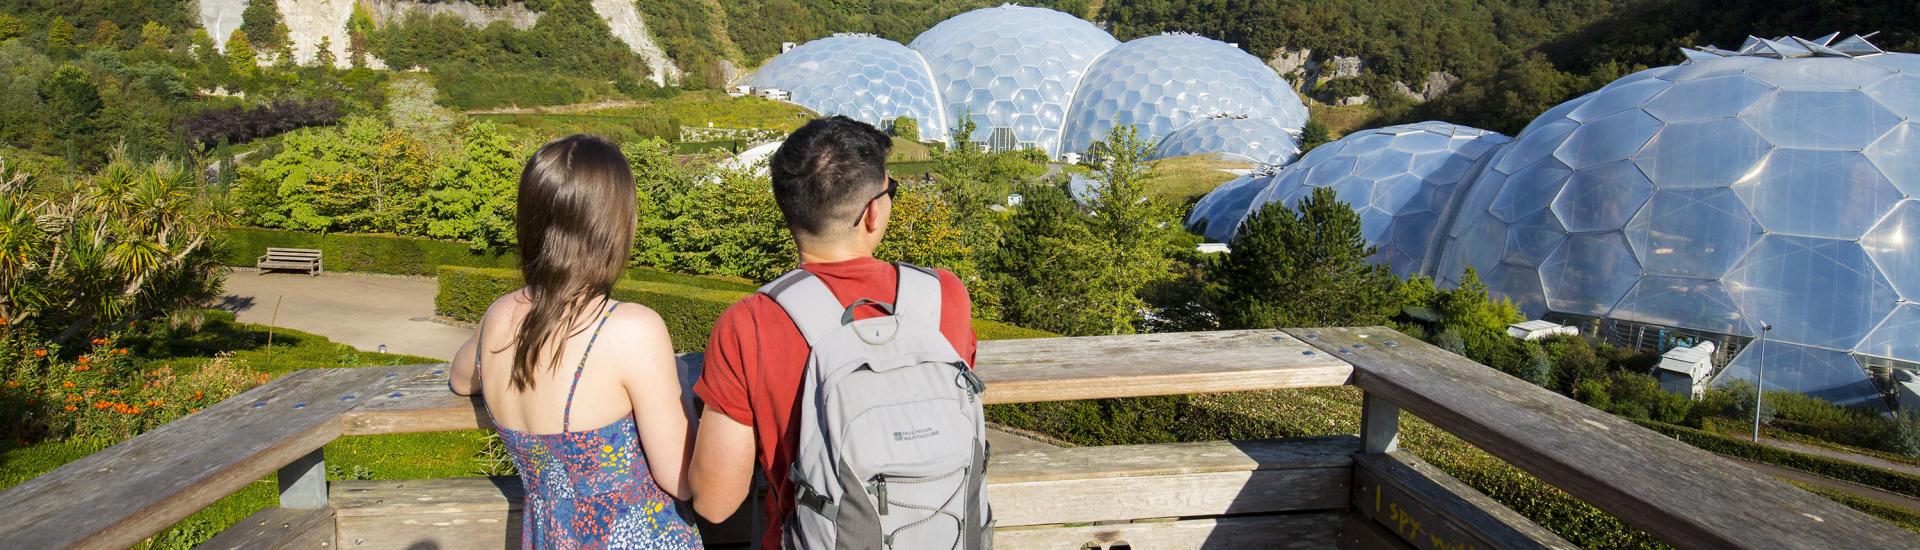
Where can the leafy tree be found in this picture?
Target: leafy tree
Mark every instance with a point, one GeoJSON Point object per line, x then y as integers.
{"type": "Point", "coordinates": [60, 33]}
{"type": "Point", "coordinates": [475, 190]}
{"type": "Point", "coordinates": [975, 184]}
{"type": "Point", "coordinates": [1575, 363]}
{"type": "Point", "coordinates": [1135, 227]}
{"type": "Point", "coordinates": [261, 20]}
{"type": "Point", "coordinates": [155, 36]}
{"type": "Point", "coordinates": [106, 34]}
{"type": "Point", "coordinates": [736, 231]}
{"type": "Point", "coordinates": [72, 102]}
{"type": "Point", "coordinates": [905, 127]}
{"type": "Point", "coordinates": [922, 232]}
{"type": "Point", "coordinates": [201, 45]}
{"type": "Point", "coordinates": [1480, 321]}
{"type": "Point", "coordinates": [1305, 268]}
{"type": "Point", "coordinates": [241, 59]}
{"type": "Point", "coordinates": [1314, 134]}
{"type": "Point", "coordinates": [411, 108]}
{"type": "Point", "coordinates": [12, 26]}
{"type": "Point", "coordinates": [662, 185]}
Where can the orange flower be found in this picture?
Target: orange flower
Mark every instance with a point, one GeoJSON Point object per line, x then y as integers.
{"type": "Point", "coordinates": [121, 351]}
{"type": "Point", "coordinates": [193, 410]}
{"type": "Point", "coordinates": [85, 359]}
{"type": "Point", "coordinates": [71, 408]}
{"type": "Point", "coordinates": [113, 392]}
{"type": "Point", "coordinates": [99, 341]}
{"type": "Point", "coordinates": [3, 321]}
{"type": "Point", "coordinates": [198, 395]}
{"type": "Point", "coordinates": [133, 410]}
{"type": "Point", "coordinates": [82, 368]}
{"type": "Point", "coordinates": [91, 392]}
{"type": "Point", "coordinates": [40, 353]}
{"type": "Point", "coordinates": [13, 384]}
{"type": "Point", "coordinates": [68, 384]}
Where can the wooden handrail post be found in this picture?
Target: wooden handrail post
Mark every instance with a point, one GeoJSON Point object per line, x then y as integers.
{"type": "Point", "coordinates": [303, 483]}
{"type": "Point", "coordinates": [1379, 424]}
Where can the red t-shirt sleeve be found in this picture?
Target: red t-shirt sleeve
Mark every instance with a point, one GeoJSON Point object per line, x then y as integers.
{"type": "Point", "coordinates": [956, 316]}
{"type": "Point", "coordinates": [723, 382]}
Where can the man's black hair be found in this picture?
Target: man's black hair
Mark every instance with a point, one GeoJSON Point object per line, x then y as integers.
{"type": "Point", "coordinates": [827, 171]}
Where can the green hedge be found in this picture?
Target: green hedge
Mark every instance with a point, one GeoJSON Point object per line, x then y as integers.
{"type": "Point", "coordinates": [360, 252]}
{"type": "Point", "coordinates": [689, 311]}
{"type": "Point", "coordinates": [1879, 478]}
{"type": "Point", "coordinates": [653, 275]}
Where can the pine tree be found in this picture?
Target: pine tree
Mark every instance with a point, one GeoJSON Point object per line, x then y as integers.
{"type": "Point", "coordinates": [1314, 134]}
{"type": "Point", "coordinates": [72, 100]}
{"type": "Point", "coordinates": [154, 36]}
{"type": "Point", "coordinates": [106, 34]}
{"type": "Point", "coordinates": [1305, 268]}
{"type": "Point", "coordinates": [323, 54]}
{"type": "Point", "coordinates": [262, 22]}
{"type": "Point", "coordinates": [1047, 263]}
{"type": "Point", "coordinates": [1480, 320]}
{"type": "Point", "coordinates": [1134, 227]}
{"type": "Point", "coordinates": [60, 33]}
{"type": "Point", "coordinates": [241, 58]}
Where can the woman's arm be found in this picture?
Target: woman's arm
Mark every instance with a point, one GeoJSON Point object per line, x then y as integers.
{"type": "Point", "coordinates": [464, 377]}
{"type": "Point", "coordinates": [653, 383]}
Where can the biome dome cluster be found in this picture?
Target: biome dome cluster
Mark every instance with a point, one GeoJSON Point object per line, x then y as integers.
{"type": "Point", "coordinates": [1038, 78]}
{"type": "Point", "coordinates": [1775, 184]}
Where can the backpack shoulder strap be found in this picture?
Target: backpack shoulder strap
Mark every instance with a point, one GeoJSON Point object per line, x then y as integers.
{"type": "Point", "coordinates": [807, 301]}
{"type": "Point", "coordinates": [918, 294]}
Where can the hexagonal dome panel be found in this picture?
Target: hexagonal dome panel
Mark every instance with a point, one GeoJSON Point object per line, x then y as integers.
{"type": "Point", "coordinates": [1160, 83]}
{"type": "Point", "coordinates": [1824, 373]}
{"type": "Point", "coordinates": [1218, 214]}
{"type": "Point", "coordinates": [1400, 179]}
{"type": "Point", "coordinates": [1892, 246]}
{"type": "Point", "coordinates": [1033, 58]}
{"type": "Point", "coordinates": [1818, 292]}
{"type": "Point", "coordinates": [1253, 140]}
{"type": "Point", "coordinates": [869, 79]}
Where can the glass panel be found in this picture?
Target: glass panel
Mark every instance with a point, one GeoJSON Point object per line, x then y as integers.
{"type": "Point", "coordinates": [1520, 284]}
{"type": "Point", "coordinates": [1820, 73]}
{"type": "Point", "coordinates": [1533, 145]}
{"type": "Point", "coordinates": [826, 75]}
{"type": "Point", "coordinates": [1846, 120]}
{"type": "Point", "coordinates": [1895, 248]}
{"type": "Point", "coordinates": [1044, 51]}
{"type": "Point", "coordinates": [1401, 194]}
{"type": "Point", "coordinates": [1478, 246]}
{"type": "Point", "coordinates": [1702, 154]}
{"type": "Point", "coordinates": [1896, 338]}
{"type": "Point", "coordinates": [1713, 67]}
{"type": "Point", "coordinates": [1589, 273]}
{"type": "Point", "coordinates": [1412, 234]}
{"type": "Point", "coordinates": [1830, 194]}
{"type": "Point", "coordinates": [1383, 163]}
{"type": "Point", "coordinates": [1608, 139]}
{"type": "Point", "coordinates": [1618, 97]}
{"type": "Point", "coordinates": [1698, 304]}
{"type": "Point", "coordinates": [1707, 99]}
{"type": "Point", "coordinates": [1190, 76]}
{"type": "Point", "coordinates": [1533, 239]}
{"type": "Point", "coordinates": [1814, 291]}
{"type": "Point", "coordinates": [1824, 373]}
{"type": "Point", "coordinates": [1530, 190]}
{"type": "Point", "coordinates": [1898, 156]}
{"type": "Point", "coordinates": [1603, 197]}
{"type": "Point", "coordinates": [1692, 232]}
{"type": "Point", "coordinates": [1901, 94]}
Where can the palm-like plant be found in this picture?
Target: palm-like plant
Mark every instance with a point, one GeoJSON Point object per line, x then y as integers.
{"type": "Point", "coordinates": [93, 254]}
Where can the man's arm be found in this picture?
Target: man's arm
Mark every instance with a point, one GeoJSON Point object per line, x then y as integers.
{"type": "Point", "coordinates": [722, 468]}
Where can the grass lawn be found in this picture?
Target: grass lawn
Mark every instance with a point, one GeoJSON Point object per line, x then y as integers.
{"type": "Point", "coordinates": [401, 456]}
{"type": "Point", "coordinates": [1187, 178]}
{"type": "Point", "coordinates": [1341, 121]}
{"type": "Point", "coordinates": [624, 123]}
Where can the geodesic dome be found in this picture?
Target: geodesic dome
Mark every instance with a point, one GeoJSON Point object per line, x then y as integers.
{"type": "Point", "coordinates": [1400, 179]}
{"type": "Point", "coordinates": [1255, 140]}
{"type": "Point", "coordinates": [1218, 214]}
{"type": "Point", "coordinates": [1773, 184]}
{"type": "Point", "coordinates": [867, 78]}
{"type": "Point", "coordinates": [1012, 67]}
{"type": "Point", "coordinates": [1159, 83]}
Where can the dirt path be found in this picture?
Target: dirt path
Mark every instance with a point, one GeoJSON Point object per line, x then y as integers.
{"type": "Point", "coordinates": [1856, 458]}
{"type": "Point", "coordinates": [363, 311]}
{"type": "Point", "coordinates": [1884, 497]}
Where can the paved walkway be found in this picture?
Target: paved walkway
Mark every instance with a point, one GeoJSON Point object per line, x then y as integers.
{"type": "Point", "coordinates": [1856, 458]}
{"type": "Point", "coordinates": [363, 311]}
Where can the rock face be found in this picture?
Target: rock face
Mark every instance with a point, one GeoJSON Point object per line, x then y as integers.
{"type": "Point", "coordinates": [308, 21]}
{"type": "Point", "coordinates": [1292, 64]}
{"type": "Point", "coordinates": [1341, 66]}
{"type": "Point", "coordinates": [1438, 82]}
{"type": "Point", "coordinates": [518, 15]}
{"type": "Point", "coordinates": [624, 18]}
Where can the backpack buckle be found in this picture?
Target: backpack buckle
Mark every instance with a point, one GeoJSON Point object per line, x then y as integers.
{"type": "Point", "coordinates": [969, 380]}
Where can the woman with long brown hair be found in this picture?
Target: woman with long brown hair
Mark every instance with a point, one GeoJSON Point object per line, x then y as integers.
{"type": "Point", "coordinates": [607, 487]}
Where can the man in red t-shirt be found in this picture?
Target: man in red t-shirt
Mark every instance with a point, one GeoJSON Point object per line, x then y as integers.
{"type": "Point", "coordinates": [831, 183]}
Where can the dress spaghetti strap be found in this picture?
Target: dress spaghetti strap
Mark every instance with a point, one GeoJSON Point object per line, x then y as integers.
{"type": "Point", "coordinates": [566, 415]}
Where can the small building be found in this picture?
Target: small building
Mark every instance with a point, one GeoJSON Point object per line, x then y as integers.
{"type": "Point", "coordinates": [1686, 371]}
{"type": "Point", "coordinates": [1070, 158]}
{"type": "Point", "coordinates": [787, 46]}
{"type": "Point", "coordinates": [1214, 248]}
{"type": "Point", "coordinates": [1535, 330]}
{"type": "Point", "coordinates": [740, 90]}
{"type": "Point", "coordinates": [775, 94]}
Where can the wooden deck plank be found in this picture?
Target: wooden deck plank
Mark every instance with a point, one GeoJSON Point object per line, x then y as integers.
{"type": "Point", "coordinates": [1433, 511]}
{"type": "Point", "coordinates": [165, 475]}
{"type": "Point", "coordinates": [1016, 371]}
{"type": "Point", "coordinates": [278, 529]}
{"type": "Point", "coordinates": [1303, 531]}
{"type": "Point", "coordinates": [1685, 496]}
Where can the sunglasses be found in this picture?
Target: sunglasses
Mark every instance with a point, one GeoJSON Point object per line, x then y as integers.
{"type": "Point", "coordinates": [892, 187]}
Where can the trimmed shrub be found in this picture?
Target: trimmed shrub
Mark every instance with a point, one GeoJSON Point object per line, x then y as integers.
{"type": "Point", "coordinates": [389, 254]}
{"type": "Point", "coordinates": [1882, 479]}
{"type": "Point", "coordinates": [689, 311]}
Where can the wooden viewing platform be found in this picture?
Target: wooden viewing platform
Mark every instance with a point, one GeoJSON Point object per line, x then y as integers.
{"type": "Point", "coordinates": [1318, 492]}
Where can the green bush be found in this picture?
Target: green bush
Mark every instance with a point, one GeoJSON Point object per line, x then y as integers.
{"type": "Point", "coordinates": [689, 311]}
{"type": "Point", "coordinates": [361, 252]}
{"type": "Point", "coordinates": [1882, 479]}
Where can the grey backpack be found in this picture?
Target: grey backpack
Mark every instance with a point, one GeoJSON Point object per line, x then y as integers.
{"type": "Point", "coordinates": [892, 440]}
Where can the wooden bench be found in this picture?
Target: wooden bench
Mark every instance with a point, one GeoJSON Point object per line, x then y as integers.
{"type": "Point", "coordinates": [301, 259]}
{"type": "Point", "coordinates": [1179, 495]}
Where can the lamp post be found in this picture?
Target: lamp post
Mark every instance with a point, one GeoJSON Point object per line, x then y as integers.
{"type": "Point", "coordinates": [1760, 387]}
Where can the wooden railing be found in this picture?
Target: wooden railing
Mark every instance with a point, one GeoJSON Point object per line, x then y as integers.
{"type": "Point", "coordinates": [1230, 494]}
